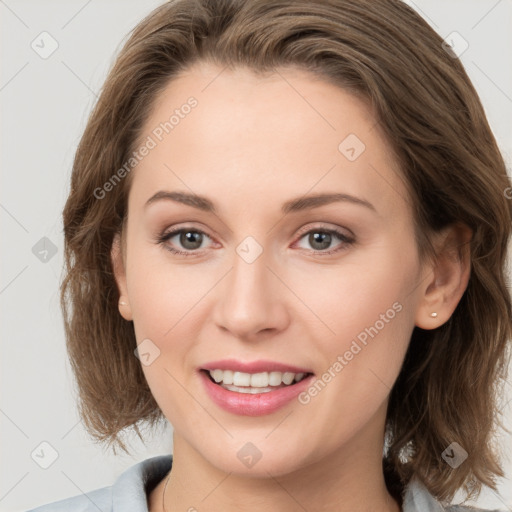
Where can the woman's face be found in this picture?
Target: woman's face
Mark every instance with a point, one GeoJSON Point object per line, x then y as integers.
{"type": "Point", "coordinates": [300, 262]}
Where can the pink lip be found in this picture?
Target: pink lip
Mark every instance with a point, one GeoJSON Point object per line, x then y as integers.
{"type": "Point", "coordinates": [253, 367]}
{"type": "Point", "coordinates": [245, 404]}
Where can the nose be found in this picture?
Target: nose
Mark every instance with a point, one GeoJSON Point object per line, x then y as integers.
{"type": "Point", "coordinates": [252, 299]}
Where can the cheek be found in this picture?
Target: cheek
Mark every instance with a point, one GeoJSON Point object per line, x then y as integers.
{"type": "Point", "coordinates": [165, 299]}
{"type": "Point", "coordinates": [162, 294]}
{"type": "Point", "coordinates": [364, 298]}
{"type": "Point", "coordinates": [360, 365]}
{"type": "Point", "coordinates": [368, 307]}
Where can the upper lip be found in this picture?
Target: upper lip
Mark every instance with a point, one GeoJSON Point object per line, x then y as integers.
{"type": "Point", "coordinates": [253, 366]}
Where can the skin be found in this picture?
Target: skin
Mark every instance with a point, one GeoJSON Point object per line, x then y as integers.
{"type": "Point", "coordinates": [251, 144]}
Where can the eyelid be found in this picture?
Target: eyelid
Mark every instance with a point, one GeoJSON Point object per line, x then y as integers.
{"type": "Point", "coordinates": [324, 227]}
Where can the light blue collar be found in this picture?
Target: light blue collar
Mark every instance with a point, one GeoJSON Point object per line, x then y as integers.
{"type": "Point", "coordinates": [418, 499]}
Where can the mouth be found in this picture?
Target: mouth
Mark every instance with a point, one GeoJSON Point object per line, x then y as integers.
{"type": "Point", "coordinates": [254, 383]}
{"type": "Point", "coordinates": [253, 388]}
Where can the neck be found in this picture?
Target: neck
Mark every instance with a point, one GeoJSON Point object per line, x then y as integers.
{"type": "Point", "coordinates": [350, 479]}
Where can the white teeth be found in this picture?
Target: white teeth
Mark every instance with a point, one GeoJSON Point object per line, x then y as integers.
{"type": "Point", "coordinates": [249, 390]}
{"type": "Point", "coordinates": [274, 378]}
{"type": "Point", "coordinates": [261, 382]}
{"type": "Point", "coordinates": [288, 377]}
{"type": "Point", "coordinates": [217, 375]}
{"type": "Point", "coordinates": [241, 379]}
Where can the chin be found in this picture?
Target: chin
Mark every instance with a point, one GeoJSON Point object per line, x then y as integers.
{"type": "Point", "coordinates": [258, 459]}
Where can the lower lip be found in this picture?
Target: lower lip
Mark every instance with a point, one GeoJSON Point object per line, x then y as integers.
{"type": "Point", "coordinates": [246, 404]}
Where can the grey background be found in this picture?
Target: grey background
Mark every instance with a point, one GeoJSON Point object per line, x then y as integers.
{"type": "Point", "coordinates": [44, 107]}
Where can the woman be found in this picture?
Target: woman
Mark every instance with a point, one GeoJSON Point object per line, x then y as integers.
{"type": "Point", "coordinates": [287, 235]}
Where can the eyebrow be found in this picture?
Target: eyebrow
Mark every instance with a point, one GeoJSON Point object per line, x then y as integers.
{"type": "Point", "coordinates": [291, 206]}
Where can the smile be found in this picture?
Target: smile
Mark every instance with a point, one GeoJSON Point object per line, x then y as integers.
{"type": "Point", "coordinates": [262, 382]}
{"type": "Point", "coordinates": [253, 389]}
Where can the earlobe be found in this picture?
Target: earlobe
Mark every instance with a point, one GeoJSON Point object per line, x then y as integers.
{"type": "Point", "coordinates": [447, 278]}
{"type": "Point", "coordinates": [118, 267]}
{"type": "Point", "coordinates": [124, 309]}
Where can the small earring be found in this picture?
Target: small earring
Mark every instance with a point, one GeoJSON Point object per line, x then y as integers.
{"type": "Point", "coordinates": [434, 314]}
{"type": "Point", "coordinates": [121, 303]}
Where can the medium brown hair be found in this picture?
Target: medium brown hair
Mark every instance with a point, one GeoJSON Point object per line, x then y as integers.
{"type": "Point", "coordinates": [384, 51]}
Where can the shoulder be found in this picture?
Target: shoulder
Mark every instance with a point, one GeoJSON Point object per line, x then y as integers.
{"type": "Point", "coordinates": [129, 492]}
{"type": "Point", "coordinates": [464, 508]}
{"type": "Point", "coordinates": [417, 498]}
{"type": "Point", "coordinates": [92, 501]}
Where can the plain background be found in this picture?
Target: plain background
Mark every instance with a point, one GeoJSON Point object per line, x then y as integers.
{"type": "Point", "coordinates": [44, 106]}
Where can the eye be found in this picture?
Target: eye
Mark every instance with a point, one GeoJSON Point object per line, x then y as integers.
{"type": "Point", "coordinates": [321, 239]}
{"type": "Point", "coordinates": [190, 239]}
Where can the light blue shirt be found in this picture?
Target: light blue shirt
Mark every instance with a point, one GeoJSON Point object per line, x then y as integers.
{"type": "Point", "coordinates": [129, 493]}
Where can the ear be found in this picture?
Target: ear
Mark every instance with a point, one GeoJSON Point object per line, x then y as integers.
{"type": "Point", "coordinates": [446, 278]}
{"type": "Point", "coordinates": [118, 266]}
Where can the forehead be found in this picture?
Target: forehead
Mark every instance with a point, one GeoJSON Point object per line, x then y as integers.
{"type": "Point", "coordinates": [222, 132]}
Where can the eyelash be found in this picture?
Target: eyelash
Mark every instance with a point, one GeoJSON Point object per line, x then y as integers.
{"type": "Point", "coordinates": [164, 237]}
